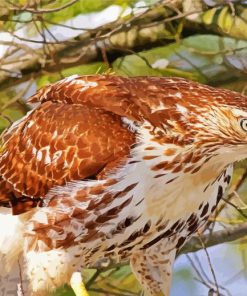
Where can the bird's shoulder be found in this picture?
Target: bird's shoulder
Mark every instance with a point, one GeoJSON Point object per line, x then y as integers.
{"type": "Point", "coordinates": [56, 143]}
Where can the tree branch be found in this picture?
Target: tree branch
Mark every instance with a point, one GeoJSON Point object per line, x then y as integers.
{"type": "Point", "coordinates": [84, 48]}
{"type": "Point", "coordinates": [41, 11]}
{"type": "Point", "coordinates": [215, 238]}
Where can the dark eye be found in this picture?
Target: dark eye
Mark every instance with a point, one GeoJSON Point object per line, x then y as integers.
{"type": "Point", "coordinates": [243, 124]}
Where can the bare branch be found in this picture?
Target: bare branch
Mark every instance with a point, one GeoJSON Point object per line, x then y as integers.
{"type": "Point", "coordinates": [216, 238]}
{"type": "Point", "coordinates": [84, 48]}
{"type": "Point", "coordinates": [41, 11]}
{"type": "Point", "coordinates": [210, 263]}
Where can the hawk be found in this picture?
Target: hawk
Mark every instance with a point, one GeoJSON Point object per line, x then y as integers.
{"type": "Point", "coordinates": [114, 167]}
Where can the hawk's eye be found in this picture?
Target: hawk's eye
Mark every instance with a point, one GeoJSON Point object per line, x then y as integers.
{"type": "Point", "coordinates": [243, 124]}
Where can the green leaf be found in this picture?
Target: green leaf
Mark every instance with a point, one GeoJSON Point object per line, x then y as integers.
{"type": "Point", "coordinates": [64, 291]}
{"type": "Point", "coordinates": [199, 57]}
{"type": "Point", "coordinates": [226, 22]}
{"type": "Point", "coordinates": [82, 7]}
{"type": "Point", "coordinates": [12, 112]}
{"type": "Point", "coordinates": [208, 16]}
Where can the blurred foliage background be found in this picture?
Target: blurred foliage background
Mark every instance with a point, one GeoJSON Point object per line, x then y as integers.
{"type": "Point", "coordinates": [42, 41]}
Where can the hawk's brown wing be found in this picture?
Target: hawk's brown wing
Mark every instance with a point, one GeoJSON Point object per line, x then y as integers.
{"type": "Point", "coordinates": [77, 131]}
{"type": "Point", "coordinates": [110, 93]}
{"type": "Point", "coordinates": [56, 143]}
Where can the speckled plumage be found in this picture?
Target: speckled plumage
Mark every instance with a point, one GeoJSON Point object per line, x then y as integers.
{"type": "Point", "coordinates": [126, 168]}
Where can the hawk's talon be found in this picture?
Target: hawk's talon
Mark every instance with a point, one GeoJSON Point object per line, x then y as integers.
{"type": "Point", "coordinates": [77, 285]}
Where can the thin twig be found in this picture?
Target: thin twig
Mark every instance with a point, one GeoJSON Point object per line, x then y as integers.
{"type": "Point", "coordinates": [17, 97]}
{"type": "Point", "coordinates": [41, 11]}
{"type": "Point", "coordinates": [209, 263]}
{"type": "Point", "coordinates": [229, 234]}
{"type": "Point", "coordinates": [93, 278]}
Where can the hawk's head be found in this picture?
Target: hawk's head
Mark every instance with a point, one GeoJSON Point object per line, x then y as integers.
{"type": "Point", "coordinates": [195, 120]}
